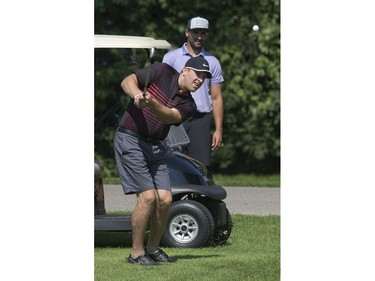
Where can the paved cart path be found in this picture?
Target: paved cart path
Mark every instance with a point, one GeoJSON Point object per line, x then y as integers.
{"type": "Point", "coordinates": [240, 200]}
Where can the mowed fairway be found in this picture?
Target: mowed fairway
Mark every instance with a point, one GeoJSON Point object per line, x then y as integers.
{"type": "Point", "coordinates": [251, 253]}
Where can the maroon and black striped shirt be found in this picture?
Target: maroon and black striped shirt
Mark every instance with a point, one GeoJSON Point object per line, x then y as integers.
{"type": "Point", "coordinates": [163, 81]}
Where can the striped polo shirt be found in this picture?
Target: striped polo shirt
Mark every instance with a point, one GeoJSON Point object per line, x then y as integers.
{"type": "Point", "coordinates": [163, 86]}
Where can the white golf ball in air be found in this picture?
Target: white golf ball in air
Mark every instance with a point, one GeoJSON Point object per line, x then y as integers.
{"type": "Point", "coordinates": [255, 27]}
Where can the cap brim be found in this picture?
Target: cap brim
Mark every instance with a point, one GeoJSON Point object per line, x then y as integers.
{"type": "Point", "coordinates": [198, 28]}
{"type": "Point", "coordinates": [209, 75]}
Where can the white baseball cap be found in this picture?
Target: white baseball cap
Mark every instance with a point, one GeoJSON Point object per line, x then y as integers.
{"type": "Point", "coordinates": [197, 23]}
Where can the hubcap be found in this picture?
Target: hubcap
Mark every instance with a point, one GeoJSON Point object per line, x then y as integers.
{"type": "Point", "coordinates": [183, 228]}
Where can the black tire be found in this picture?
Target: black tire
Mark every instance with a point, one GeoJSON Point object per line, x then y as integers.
{"type": "Point", "coordinates": [190, 225]}
{"type": "Point", "coordinates": [221, 234]}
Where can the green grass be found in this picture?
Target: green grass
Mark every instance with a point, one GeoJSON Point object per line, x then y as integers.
{"type": "Point", "coordinates": [247, 180]}
{"type": "Point", "coordinates": [251, 253]}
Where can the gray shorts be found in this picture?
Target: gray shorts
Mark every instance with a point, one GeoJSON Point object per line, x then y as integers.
{"type": "Point", "coordinates": [141, 165]}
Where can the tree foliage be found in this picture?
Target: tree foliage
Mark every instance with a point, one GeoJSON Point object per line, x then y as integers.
{"type": "Point", "coordinates": [250, 61]}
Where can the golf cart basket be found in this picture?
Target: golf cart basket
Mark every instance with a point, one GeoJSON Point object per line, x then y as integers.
{"type": "Point", "coordinates": [177, 138]}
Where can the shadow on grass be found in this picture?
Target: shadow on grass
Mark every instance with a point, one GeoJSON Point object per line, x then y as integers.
{"type": "Point", "coordinates": [191, 257]}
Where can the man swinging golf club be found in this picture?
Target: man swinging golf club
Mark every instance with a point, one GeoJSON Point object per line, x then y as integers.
{"type": "Point", "coordinates": [139, 151]}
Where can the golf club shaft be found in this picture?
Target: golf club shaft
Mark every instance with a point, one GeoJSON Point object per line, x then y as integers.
{"type": "Point", "coordinates": [152, 51]}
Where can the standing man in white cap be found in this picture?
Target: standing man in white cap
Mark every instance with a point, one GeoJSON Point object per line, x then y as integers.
{"type": "Point", "coordinates": [208, 98]}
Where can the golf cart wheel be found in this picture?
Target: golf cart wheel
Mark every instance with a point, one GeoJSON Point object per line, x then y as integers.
{"type": "Point", "coordinates": [190, 225]}
{"type": "Point", "coordinates": [221, 234]}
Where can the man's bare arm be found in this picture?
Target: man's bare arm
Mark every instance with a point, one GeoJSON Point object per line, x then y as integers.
{"type": "Point", "coordinates": [218, 115]}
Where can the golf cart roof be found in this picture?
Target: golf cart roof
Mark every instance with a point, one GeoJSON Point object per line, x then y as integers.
{"type": "Point", "coordinates": [121, 41]}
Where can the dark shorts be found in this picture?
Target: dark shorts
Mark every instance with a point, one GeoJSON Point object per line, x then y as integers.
{"type": "Point", "coordinates": [141, 165]}
{"type": "Point", "coordinates": [198, 130]}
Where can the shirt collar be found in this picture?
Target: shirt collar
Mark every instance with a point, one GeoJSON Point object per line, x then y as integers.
{"type": "Point", "coordinates": [185, 51]}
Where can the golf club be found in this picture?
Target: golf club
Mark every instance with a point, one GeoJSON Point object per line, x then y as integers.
{"type": "Point", "coordinates": [151, 58]}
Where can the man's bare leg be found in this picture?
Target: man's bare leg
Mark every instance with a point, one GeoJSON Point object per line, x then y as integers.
{"type": "Point", "coordinates": [159, 218]}
{"type": "Point", "coordinates": [140, 218]}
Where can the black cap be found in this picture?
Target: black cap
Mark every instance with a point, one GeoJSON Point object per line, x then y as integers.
{"type": "Point", "coordinates": [199, 64]}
